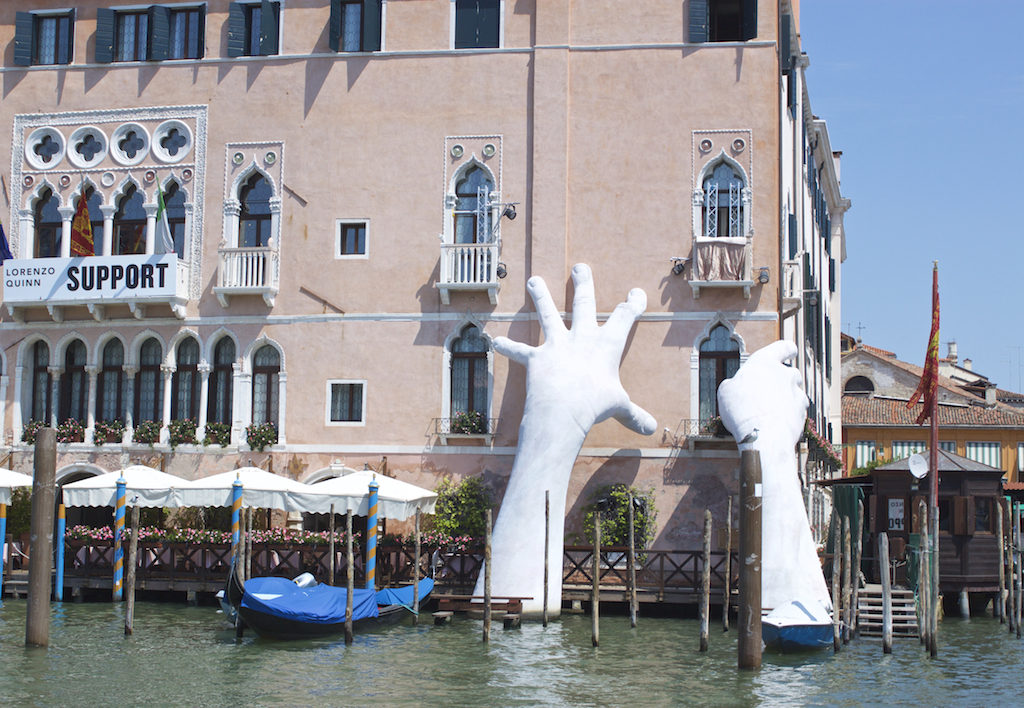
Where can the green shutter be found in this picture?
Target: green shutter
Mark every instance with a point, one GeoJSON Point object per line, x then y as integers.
{"type": "Point", "coordinates": [793, 243]}
{"type": "Point", "coordinates": [465, 24]}
{"type": "Point", "coordinates": [785, 47]}
{"type": "Point", "coordinates": [269, 18]}
{"type": "Point", "coordinates": [371, 25]}
{"type": "Point", "coordinates": [159, 33]}
{"type": "Point", "coordinates": [334, 27]}
{"type": "Point", "coordinates": [24, 34]}
{"type": "Point", "coordinates": [749, 19]}
{"type": "Point", "coordinates": [236, 30]}
{"type": "Point", "coordinates": [698, 32]}
{"type": "Point", "coordinates": [106, 21]}
{"type": "Point", "coordinates": [488, 23]}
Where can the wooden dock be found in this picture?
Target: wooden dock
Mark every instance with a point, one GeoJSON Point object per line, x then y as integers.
{"type": "Point", "coordinates": [869, 612]}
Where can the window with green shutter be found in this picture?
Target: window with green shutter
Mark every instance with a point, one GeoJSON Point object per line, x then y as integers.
{"type": "Point", "coordinates": [253, 28]}
{"type": "Point", "coordinates": [41, 39]}
{"type": "Point", "coordinates": [355, 25]}
{"type": "Point", "coordinates": [477, 24]}
{"type": "Point", "coordinates": [722, 20]}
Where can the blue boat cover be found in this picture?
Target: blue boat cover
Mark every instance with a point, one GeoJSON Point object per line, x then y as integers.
{"type": "Point", "coordinates": [319, 604]}
{"type": "Point", "coordinates": [403, 595]}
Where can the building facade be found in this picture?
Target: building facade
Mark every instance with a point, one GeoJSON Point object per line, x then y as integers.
{"type": "Point", "coordinates": [355, 195]}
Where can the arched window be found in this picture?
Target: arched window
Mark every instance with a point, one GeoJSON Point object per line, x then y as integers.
{"type": "Point", "coordinates": [93, 200]}
{"type": "Point", "coordinates": [469, 372]}
{"type": "Point", "coordinates": [859, 384]}
{"type": "Point", "coordinates": [41, 382]}
{"type": "Point", "coordinates": [185, 381]}
{"type": "Point", "coordinates": [472, 198]}
{"type": "Point", "coordinates": [255, 218]}
{"type": "Point", "coordinates": [174, 203]}
{"type": "Point", "coordinates": [219, 404]}
{"type": "Point", "coordinates": [110, 383]}
{"type": "Point", "coordinates": [74, 386]}
{"type": "Point", "coordinates": [266, 365]}
{"type": "Point", "coordinates": [719, 360]}
{"type": "Point", "coordinates": [723, 202]}
{"type": "Point", "coordinates": [48, 226]}
{"type": "Point", "coordinates": [148, 388]}
{"type": "Point", "coordinates": [130, 224]}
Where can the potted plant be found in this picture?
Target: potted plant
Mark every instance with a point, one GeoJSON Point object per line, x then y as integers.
{"type": "Point", "coordinates": [147, 431]}
{"type": "Point", "coordinates": [217, 434]}
{"type": "Point", "coordinates": [468, 423]}
{"type": "Point", "coordinates": [28, 435]}
{"type": "Point", "coordinates": [181, 432]}
{"type": "Point", "coordinates": [107, 431]}
{"type": "Point", "coordinates": [70, 431]}
{"type": "Point", "coordinates": [261, 435]}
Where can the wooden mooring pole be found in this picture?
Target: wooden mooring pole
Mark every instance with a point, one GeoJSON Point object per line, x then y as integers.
{"type": "Point", "coordinates": [749, 619]}
{"type": "Point", "coordinates": [999, 603]}
{"type": "Point", "coordinates": [547, 559]}
{"type": "Point", "coordinates": [885, 572]}
{"type": "Point", "coordinates": [350, 577]}
{"type": "Point", "coordinates": [1011, 586]}
{"type": "Point", "coordinates": [416, 574]}
{"type": "Point", "coordinates": [37, 620]}
{"type": "Point", "coordinates": [705, 584]}
{"type": "Point", "coordinates": [858, 551]}
{"type": "Point", "coordinates": [487, 579]}
{"type": "Point", "coordinates": [1020, 558]}
{"type": "Point", "coordinates": [631, 564]}
{"type": "Point", "coordinates": [837, 598]}
{"type": "Point", "coordinates": [330, 572]}
{"type": "Point", "coordinates": [727, 592]}
{"type": "Point", "coordinates": [595, 594]}
{"type": "Point", "coordinates": [847, 565]}
{"type": "Point", "coordinates": [133, 561]}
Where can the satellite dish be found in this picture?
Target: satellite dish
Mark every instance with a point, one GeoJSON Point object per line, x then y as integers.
{"type": "Point", "coordinates": [918, 465]}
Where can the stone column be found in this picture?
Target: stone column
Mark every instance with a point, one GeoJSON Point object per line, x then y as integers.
{"type": "Point", "coordinates": [204, 397]}
{"type": "Point", "coordinates": [282, 400]}
{"type": "Point", "coordinates": [150, 227]}
{"type": "Point", "coordinates": [90, 410]}
{"type": "Point", "coordinates": [55, 373]}
{"type": "Point", "coordinates": [16, 419]}
{"type": "Point", "coordinates": [3, 410]}
{"type": "Point", "coordinates": [27, 222]}
{"type": "Point", "coordinates": [241, 403]}
{"type": "Point", "coordinates": [108, 228]}
{"type": "Point", "coordinates": [129, 402]}
{"type": "Point", "coordinates": [66, 214]}
{"type": "Point", "coordinates": [168, 372]}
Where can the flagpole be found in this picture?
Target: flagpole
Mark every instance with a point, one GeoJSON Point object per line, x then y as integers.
{"type": "Point", "coordinates": [933, 512]}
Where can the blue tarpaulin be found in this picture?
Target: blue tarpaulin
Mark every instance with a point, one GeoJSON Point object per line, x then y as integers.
{"type": "Point", "coordinates": [403, 595]}
{"type": "Point", "coordinates": [319, 604]}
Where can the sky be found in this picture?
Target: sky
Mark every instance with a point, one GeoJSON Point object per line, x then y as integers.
{"type": "Point", "coordinates": [925, 98]}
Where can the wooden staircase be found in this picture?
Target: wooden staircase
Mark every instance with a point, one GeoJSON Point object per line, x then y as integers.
{"type": "Point", "coordinates": [869, 612]}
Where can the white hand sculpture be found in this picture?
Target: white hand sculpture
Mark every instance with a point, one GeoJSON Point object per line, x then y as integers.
{"type": "Point", "coordinates": [765, 408]}
{"type": "Point", "coordinates": [572, 382]}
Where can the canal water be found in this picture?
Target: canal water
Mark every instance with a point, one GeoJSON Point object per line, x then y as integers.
{"type": "Point", "coordinates": [188, 656]}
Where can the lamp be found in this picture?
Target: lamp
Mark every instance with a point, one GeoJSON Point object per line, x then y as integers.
{"type": "Point", "coordinates": [501, 270]}
{"type": "Point", "coordinates": [509, 211]}
{"type": "Point", "coordinates": [678, 264]}
{"type": "Point", "coordinates": [763, 275]}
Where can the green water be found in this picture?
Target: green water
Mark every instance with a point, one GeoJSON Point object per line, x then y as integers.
{"type": "Point", "coordinates": [188, 656]}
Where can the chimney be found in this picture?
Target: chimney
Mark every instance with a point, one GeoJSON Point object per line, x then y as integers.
{"type": "Point", "coordinates": [990, 396]}
{"type": "Point", "coordinates": [967, 364]}
{"type": "Point", "coordinates": [952, 351]}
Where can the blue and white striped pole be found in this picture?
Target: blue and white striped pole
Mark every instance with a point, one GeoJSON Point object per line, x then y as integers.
{"type": "Point", "coordinates": [3, 540]}
{"type": "Point", "coordinates": [371, 538]}
{"type": "Point", "coordinates": [118, 536]}
{"type": "Point", "coordinates": [236, 512]}
{"type": "Point", "coordinates": [58, 585]}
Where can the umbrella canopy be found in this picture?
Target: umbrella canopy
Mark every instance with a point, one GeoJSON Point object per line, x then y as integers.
{"type": "Point", "coordinates": [144, 486]}
{"type": "Point", "coordinates": [10, 479]}
{"type": "Point", "coordinates": [351, 492]}
{"type": "Point", "coordinates": [260, 489]}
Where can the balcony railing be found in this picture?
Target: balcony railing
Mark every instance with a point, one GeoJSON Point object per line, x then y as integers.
{"type": "Point", "coordinates": [446, 430]}
{"type": "Point", "coordinates": [723, 262]}
{"type": "Point", "coordinates": [247, 271]}
{"type": "Point", "coordinates": [469, 266]}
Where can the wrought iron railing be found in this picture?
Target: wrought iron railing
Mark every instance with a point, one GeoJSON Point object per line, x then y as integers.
{"type": "Point", "coordinates": [452, 426]}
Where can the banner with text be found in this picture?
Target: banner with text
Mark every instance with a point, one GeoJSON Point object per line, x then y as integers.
{"type": "Point", "coordinates": [90, 279]}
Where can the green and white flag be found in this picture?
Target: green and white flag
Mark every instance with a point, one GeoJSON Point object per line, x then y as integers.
{"type": "Point", "coordinates": [164, 239]}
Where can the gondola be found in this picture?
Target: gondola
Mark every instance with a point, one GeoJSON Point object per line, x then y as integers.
{"type": "Point", "coordinates": [280, 608]}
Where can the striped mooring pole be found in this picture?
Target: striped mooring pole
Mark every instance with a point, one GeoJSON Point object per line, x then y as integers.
{"type": "Point", "coordinates": [58, 581]}
{"type": "Point", "coordinates": [236, 513]}
{"type": "Point", "coordinates": [118, 536]}
{"type": "Point", "coordinates": [371, 539]}
{"type": "Point", "coordinates": [3, 540]}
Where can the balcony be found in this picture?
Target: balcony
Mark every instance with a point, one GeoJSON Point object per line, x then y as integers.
{"type": "Point", "coordinates": [453, 431]}
{"type": "Point", "coordinates": [469, 267]}
{"type": "Point", "coordinates": [792, 287]}
{"type": "Point", "coordinates": [96, 283]}
{"type": "Point", "coordinates": [247, 271]}
{"type": "Point", "coordinates": [698, 433]}
{"type": "Point", "coordinates": [722, 262]}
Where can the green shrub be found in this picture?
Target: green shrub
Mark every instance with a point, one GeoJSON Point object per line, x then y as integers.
{"type": "Point", "coordinates": [468, 423]}
{"type": "Point", "coordinates": [261, 435]}
{"type": "Point", "coordinates": [614, 502]}
{"type": "Point", "coordinates": [147, 431]}
{"type": "Point", "coordinates": [461, 508]}
{"type": "Point", "coordinates": [217, 434]}
{"type": "Point", "coordinates": [108, 431]}
{"type": "Point", "coordinates": [181, 432]}
{"type": "Point", "coordinates": [70, 431]}
{"type": "Point", "coordinates": [28, 434]}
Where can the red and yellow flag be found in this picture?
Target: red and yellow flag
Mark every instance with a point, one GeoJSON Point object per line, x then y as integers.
{"type": "Point", "coordinates": [81, 230]}
{"type": "Point", "coordinates": [929, 385]}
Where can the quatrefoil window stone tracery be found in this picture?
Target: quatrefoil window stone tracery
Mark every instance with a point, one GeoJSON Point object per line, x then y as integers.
{"type": "Point", "coordinates": [89, 147]}
{"type": "Point", "coordinates": [131, 144]}
{"type": "Point", "coordinates": [47, 148]}
{"type": "Point", "coordinates": [173, 141]}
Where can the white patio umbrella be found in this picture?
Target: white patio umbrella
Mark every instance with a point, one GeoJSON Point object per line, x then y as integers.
{"type": "Point", "coordinates": [144, 486]}
{"type": "Point", "coordinates": [395, 499]}
{"type": "Point", "coordinates": [260, 489]}
{"type": "Point", "coordinates": [9, 480]}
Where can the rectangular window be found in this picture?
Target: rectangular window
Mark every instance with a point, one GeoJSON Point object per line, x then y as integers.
{"type": "Point", "coordinates": [41, 39]}
{"type": "Point", "coordinates": [948, 446]}
{"type": "Point", "coordinates": [722, 20]}
{"type": "Point", "coordinates": [987, 453]}
{"type": "Point", "coordinates": [1020, 458]}
{"type": "Point", "coordinates": [355, 25]}
{"type": "Point", "coordinates": [186, 34]}
{"type": "Point", "coordinates": [477, 24]}
{"type": "Point", "coordinates": [132, 43]}
{"type": "Point", "coordinates": [865, 452]}
{"type": "Point", "coordinates": [347, 402]}
{"type": "Point", "coordinates": [253, 28]}
{"type": "Point", "coordinates": [905, 448]}
{"type": "Point", "coordinates": [351, 239]}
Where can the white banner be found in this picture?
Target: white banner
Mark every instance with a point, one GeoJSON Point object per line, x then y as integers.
{"type": "Point", "coordinates": [90, 279]}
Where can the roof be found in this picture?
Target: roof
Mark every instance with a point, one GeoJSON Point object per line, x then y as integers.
{"type": "Point", "coordinates": [948, 462]}
{"type": "Point", "coordinates": [863, 409]}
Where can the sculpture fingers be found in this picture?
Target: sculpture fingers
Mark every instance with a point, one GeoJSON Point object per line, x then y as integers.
{"type": "Point", "coordinates": [636, 419]}
{"type": "Point", "coordinates": [620, 322]}
{"type": "Point", "coordinates": [780, 351]}
{"type": "Point", "coordinates": [516, 351]}
{"type": "Point", "coordinates": [550, 319]}
{"type": "Point", "coordinates": [584, 302]}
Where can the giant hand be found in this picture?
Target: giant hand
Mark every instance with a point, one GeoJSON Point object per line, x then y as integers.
{"type": "Point", "coordinates": [572, 382]}
{"type": "Point", "coordinates": [764, 407]}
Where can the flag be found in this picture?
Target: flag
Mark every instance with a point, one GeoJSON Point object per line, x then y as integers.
{"type": "Point", "coordinates": [929, 385]}
{"type": "Point", "coordinates": [5, 248]}
{"type": "Point", "coordinates": [81, 230]}
{"type": "Point", "coordinates": [164, 239]}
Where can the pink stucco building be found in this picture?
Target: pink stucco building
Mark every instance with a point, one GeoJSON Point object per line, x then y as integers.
{"type": "Point", "coordinates": [357, 193]}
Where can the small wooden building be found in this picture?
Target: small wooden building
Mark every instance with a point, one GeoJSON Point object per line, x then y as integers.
{"type": "Point", "coordinates": [969, 494]}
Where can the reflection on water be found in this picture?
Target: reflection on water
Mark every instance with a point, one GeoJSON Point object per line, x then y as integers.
{"type": "Point", "coordinates": [188, 656]}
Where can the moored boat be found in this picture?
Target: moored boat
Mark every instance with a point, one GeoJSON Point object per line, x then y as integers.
{"type": "Point", "coordinates": [797, 625]}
